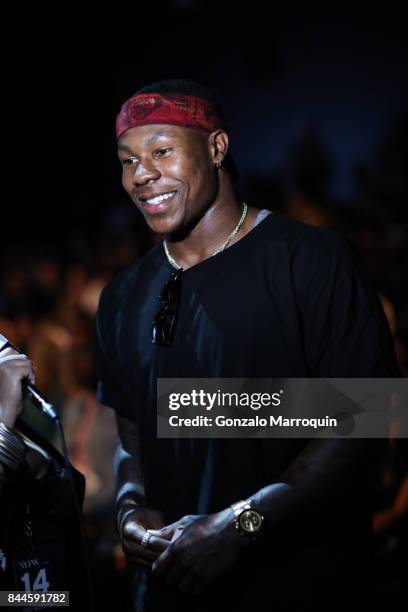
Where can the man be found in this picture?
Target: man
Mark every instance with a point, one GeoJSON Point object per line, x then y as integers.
{"type": "Point", "coordinates": [243, 294]}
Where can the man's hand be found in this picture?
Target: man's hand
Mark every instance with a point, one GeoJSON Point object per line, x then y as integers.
{"type": "Point", "coordinates": [202, 549]}
{"type": "Point", "coordinates": [134, 527]}
{"type": "Point", "coordinates": [14, 369]}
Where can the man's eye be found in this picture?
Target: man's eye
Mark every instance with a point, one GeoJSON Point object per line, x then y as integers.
{"type": "Point", "coordinates": [129, 161]}
{"type": "Point", "coordinates": [161, 152]}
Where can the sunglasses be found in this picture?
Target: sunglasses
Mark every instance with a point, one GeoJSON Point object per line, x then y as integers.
{"type": "Point", "coordinates": [164, 323]}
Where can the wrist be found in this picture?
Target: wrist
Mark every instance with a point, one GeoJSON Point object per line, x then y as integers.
{"type": "Point", "coordinates": [249, 522]}
{"type": "Point", "coordinates": [12, 451]}
{"type": "Point", "coordinates": [7, 417]}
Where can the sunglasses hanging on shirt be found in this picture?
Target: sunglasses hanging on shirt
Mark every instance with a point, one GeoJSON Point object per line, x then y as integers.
{"type": "Point", "coordinates": [164, 323]}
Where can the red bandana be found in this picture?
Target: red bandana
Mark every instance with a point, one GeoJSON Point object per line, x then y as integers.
{"type": "Point", "coordinates": [172, 109]}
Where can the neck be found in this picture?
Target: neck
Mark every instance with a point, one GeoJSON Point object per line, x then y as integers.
{"type": "Point", "coordinates": [212, 230]}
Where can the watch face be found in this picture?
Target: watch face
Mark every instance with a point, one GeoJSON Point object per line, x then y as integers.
{"type": "Point", "coordinates": [250, 521]}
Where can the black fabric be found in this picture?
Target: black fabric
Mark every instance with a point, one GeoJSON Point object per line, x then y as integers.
{"type": "Point", "coordinates": [287, 300]}
{"type": "Point", "coordinates": [54, 547]}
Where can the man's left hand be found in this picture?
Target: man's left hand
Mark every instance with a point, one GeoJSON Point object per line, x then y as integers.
{"type": "Point", "coordinates": [202, 549]}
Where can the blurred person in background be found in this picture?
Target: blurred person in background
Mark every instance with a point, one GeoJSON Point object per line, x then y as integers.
{"type": "Point", "coordinates": [40, 538]}
{"type": "Point", "coordinates": [390, 518]}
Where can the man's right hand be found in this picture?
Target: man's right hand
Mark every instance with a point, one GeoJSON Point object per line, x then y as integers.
{"type": "Point", "coordinates": [134, 527]}
{"type": "Point", "coordinates": [135, 519]}
{"type": "Point", "coordinates": [14, 369]}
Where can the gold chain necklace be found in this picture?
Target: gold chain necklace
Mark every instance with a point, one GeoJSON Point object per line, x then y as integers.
{"type": "Point", "coordinates": [174, 263]}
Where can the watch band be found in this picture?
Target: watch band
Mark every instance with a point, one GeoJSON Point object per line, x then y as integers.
{"type": "Point", "coordinates": [238, 507]}
{"type": "Point", "coordinates": [244, 508]}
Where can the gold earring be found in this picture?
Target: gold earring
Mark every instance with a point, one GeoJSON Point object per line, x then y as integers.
{"type": "Point", "coordinates": [218, 165]}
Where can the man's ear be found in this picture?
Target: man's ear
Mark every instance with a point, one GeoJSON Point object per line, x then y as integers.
{"type": "Point", "coordinates": [218, 145]}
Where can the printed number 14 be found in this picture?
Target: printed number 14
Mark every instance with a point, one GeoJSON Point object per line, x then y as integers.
{"type": "Point", "coordinates": [40, 583]}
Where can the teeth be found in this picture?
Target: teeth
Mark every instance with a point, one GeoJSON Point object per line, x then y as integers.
{"type": "Point", "coordinates": [161, 198]}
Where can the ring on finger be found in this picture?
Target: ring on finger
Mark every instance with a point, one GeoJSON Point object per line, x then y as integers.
{"type": "Point", "coordinates": [145, 539]}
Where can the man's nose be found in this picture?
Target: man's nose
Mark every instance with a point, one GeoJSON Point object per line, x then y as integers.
{"type": "Point", "coordinates": [144, 173]}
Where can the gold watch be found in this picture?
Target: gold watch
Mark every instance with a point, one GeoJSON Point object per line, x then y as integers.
{"type": "Point", "coordinates": [248, 521]}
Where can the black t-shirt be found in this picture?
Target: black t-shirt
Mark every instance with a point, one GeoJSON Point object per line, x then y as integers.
{"type": "Point", "coordinates": [287, 300]}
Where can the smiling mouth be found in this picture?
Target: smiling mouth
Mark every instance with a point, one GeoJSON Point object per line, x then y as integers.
{"type": "Point", "coordinates": [159, 198]}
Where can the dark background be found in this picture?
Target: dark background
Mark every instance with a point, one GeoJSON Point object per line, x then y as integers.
{"type": "Point", "coordinates": [341, 76]}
